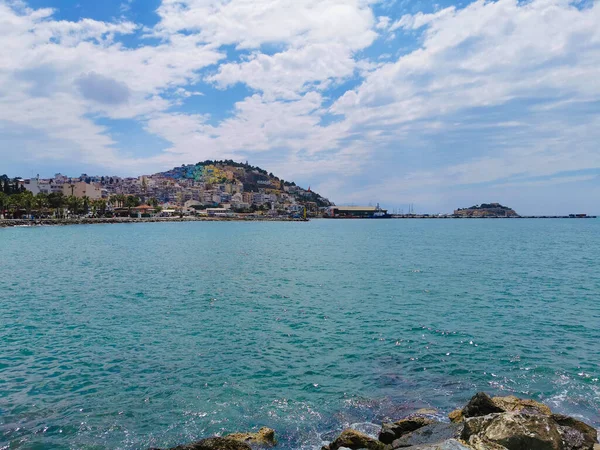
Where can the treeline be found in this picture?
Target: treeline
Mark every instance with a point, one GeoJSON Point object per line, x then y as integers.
{"type": "Point", "coordinates": [487, 206]}
{"type": "Point", "coordinates": [22, 203]}
{"type": "Point", "coordinates": [245, 166]}
{"type": "Point", "coordinates": [10, 186]}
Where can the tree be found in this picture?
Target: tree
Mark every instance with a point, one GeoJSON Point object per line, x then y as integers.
{"type": "Point", "coordinates": [15, 205]}
{"type": "Point", "coordinates": [41, 203]}
{"type": "Point", "coordinates": [131, 202]}
{"type": "Point", "coordinates": [86, 204]}
{"type": "Point", "coordinates": [99, 206]}
{"type": "Point", "coordinates": [3, 203]}
{"type": "Point", "coordinates": [27, 201]}
{"type": "Point", "coordinates": [74, 204]}
{"type": "Point", "coordinates": [4, 185]}
{"type": "Point", "coordinates": [121, 198]}
{"type": "Point", "coordinates": [56, 201]}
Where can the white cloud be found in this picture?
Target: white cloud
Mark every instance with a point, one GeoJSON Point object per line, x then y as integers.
{"type": "Point", "coordinates": [485, 55]}
{"type": "Point", "coordinates": [82, 71]}
{"type": "Point", "coordinates": [550, 181]}
{"type": "Point", "coordinates": [249, 24]}
{"type": "Point", "coordinates": [317, 38]}
{"type": "Point", "coordinates": [288, 74]}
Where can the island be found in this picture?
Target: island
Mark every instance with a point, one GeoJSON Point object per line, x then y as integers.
{"type": "Point", "coordinates": [486, 210]}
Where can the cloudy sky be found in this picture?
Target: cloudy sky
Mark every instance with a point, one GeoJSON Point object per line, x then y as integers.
{"type": "Point", "coordinates": [439, 104]}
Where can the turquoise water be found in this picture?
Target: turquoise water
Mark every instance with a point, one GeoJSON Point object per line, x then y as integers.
{"type": "Point", "coordinates": [130, 336]}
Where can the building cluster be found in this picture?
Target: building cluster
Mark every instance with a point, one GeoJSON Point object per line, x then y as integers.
{"type": "Point", "coordinates": [235, 187]}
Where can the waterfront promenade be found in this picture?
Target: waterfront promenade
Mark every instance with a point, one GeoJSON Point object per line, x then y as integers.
{"type": "Point", "coordinates": [7, 223]}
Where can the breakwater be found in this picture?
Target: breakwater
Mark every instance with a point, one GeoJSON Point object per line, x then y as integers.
{"type": "Point", "coordinates": [6, 223]}
{"type": "Point", "coordinates": [430, 216]}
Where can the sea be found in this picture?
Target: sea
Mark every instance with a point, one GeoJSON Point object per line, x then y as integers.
{"type": "Point", "coordinates": [133, 336]}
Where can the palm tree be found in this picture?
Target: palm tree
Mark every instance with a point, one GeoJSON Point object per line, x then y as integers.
{"type": "Point", "coordinates": [57, 201]}
{"type": "Point", "coordinates": [75, 204]}
{"type": "Point", "coordinates": [98, 206]}
{"type": "Point", "coordinates": [15, 205]}
{"type": "Point", "coordinates": [121, 198]}
{"type": "Point", "coordinates": [41, 202]}
{"type": "Point", "coordinates": [27, 201]}
{"type": "Point", "coordinates": [86, 204]}
{"type": "Point", "coordinates": [101, 206]}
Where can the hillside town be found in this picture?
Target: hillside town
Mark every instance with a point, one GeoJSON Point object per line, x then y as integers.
{"type": "Point", "coordinates": [207, 188]}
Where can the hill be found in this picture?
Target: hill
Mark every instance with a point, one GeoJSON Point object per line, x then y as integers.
{"type": "Point", "coordinates": [245, 177]}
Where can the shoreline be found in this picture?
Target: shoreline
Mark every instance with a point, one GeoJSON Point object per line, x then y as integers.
{"type": "Point", "coordinates": [11, 223]}
{"type": "Point", "coordinates": [484, 423]}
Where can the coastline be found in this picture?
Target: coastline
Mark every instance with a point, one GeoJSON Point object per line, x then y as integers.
{"type": "Point", "coordinates": [10, 223]}
{"type": "Point", "coordinates": [484, 423]}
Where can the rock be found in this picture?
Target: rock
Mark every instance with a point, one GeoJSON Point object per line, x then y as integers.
{"type": "Point", "coordinates": [392, 431]}
{"type": "Point", "coordinates": [215, 443]}
{"type": "Point", "coordinates": [425, 412]}
{"type": "Point", "coordinates": [450, 444]}
{"type": "Point", "coordinates": [576, 435]}
{"type": "Point", "coordinates": [480, 405]}
{"type": "Point", "coordinates": [265, 436]}
{"type": "Point", "coordinates": [515, 431]}
{"type": "Point", "coordinates": [519, 405]}
{"type": "Point", "coordinates": [456, 416]}
{"type": "Point", "coordinates": [434, 433]}
{"type": "Point", "coordinates": [478, 443]}
{"type": "Point", "coordinates": [355, 440]}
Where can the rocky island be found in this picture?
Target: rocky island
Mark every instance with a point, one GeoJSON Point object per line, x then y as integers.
{"type": "Point", "coordinates": [486, 210]}
{"type": "Point", "coordinates": [485, 423]}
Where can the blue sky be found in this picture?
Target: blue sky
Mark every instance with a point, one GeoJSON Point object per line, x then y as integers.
{"type": "Point", "coordinates": [438, 104]}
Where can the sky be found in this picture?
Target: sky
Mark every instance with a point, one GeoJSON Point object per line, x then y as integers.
{"type": "Point", "coordinates": [436, 104]}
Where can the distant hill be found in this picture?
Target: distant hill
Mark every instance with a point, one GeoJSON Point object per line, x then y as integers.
{"type": "Point", "coordinates": [253, 178]}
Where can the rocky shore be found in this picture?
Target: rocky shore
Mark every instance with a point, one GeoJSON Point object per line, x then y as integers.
{"type": "Point", "coordinates": [6, 223]}
{"type": "Point", "coordinates": [485, 423]}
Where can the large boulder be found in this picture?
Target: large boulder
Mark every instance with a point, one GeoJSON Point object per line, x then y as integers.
{"type": "Point", "coordinates": [450, 444]}
{"type": "Point", "coordinates": [355, 440]}
{"type": "Point", "coordinates": [434, 433]}
{"type": "Point", "coordinates": [480, 405]}
{"type": "Point", "coordinates": [215, 443]}
{"type": "Point", "coordinates": [264, 437]}
{"type": "Point", "coordinates": [520, 405]}
{"type": "Point", "coordinates": [392, 431]}
{"type": "Point", "coordinates": [515, 431]}
{"type": "Point", "coordinates": [576, 435]}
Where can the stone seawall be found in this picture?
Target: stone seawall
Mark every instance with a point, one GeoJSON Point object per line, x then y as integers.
{"type": "Point", "coordinates": [5, 223]}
